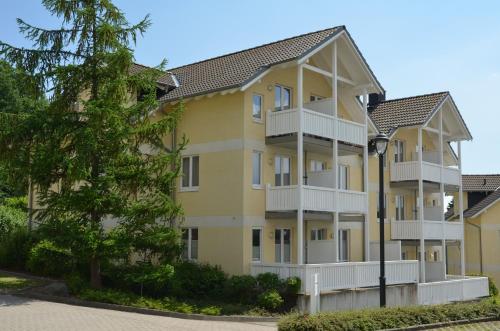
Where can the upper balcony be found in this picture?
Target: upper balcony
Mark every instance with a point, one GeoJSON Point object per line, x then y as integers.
{"type": "Point", "coordinates": [432, 171]}
{"type": "Point", "coordinates": [318, 121]}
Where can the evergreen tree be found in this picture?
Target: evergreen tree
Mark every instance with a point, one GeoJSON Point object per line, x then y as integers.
{"type": "Point", "coordinates": [86, 153]}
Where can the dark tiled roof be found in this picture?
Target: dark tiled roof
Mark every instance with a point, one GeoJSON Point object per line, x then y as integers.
{"type": "Point", "coordinates": [236, 69]}
{"type": "Point", "coordinates": [392, 114]}
{"type": "Point", "coordinates": [481, 205]}
{"type": "Point", "coordinates": [165, 79]}
{"type": "Point", "coordinates": [476, 183]}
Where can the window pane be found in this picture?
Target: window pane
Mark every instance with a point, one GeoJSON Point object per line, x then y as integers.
{"type": "Point", "coordinates": [257, 106]}
{"type": "Point", "coordinates": [194, 243]}
{"type": "Point", "coordinates": [277, 171]}
{"type": "Point", "coordinates": [277, 97]}
{"type": "Point", "coordinates": [256, 171]}
{"type": "Point", "coordinates": [277, 245]}
{"type": "Point", "coordinates": [286, 98]}
{"type": "Point", "coordinates": [256, 244]}
{"type": "Point", "coordinates": [196, 170]}
{"type": "Point", "coordinates": [185, 244]}
{"type": "Point", "coordinates": [286, 171]}
{"type": "Point", "coordinates": [286, 246]}
{"type": "Point", "coordinates": [185, 172]}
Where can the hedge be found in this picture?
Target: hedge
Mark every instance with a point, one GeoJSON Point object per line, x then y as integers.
{"type": "Point", "coordinates": [389, 318]}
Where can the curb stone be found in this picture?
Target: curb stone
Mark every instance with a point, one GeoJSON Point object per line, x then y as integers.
{"type": "Point", "coordinates": [445, 324]}
{"type": "Point", "coordinates": [146, 311]}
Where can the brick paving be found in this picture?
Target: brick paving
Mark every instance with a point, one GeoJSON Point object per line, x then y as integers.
{"type": "Point", "coordinates": [21, 314]}
{"type": "Point", "coordinates": [486, 326]}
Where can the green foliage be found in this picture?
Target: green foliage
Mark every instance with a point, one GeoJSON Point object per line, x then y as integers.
{"type": "Point", "coordinates": [292, 285]}
{"type": "Point", "coordinates": [76, 284]}
{"type": "Point", "coordinates": [15, 248]}
{"type": "Point", "coordinates": [270, 300]}
{"type": "Point", "coordinates": [211, 310]}
{"type": "Point", "coordinates": [269, 281]}
{"type": "Point", "coordinates": [194, 280]}
{"type": "Point", "coordinates": [242, 289]}
{"type": "Point", "coordinates": [13, 215]}
{"type": "Point", "coordinates": [48, 259]}
{"type": "Point", "coordinates": [389, 318]}
{"type": "Point", "coordinates": [493, 288]}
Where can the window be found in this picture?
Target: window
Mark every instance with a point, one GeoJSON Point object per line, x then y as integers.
{"type": "Point", "coordinates": [315, 98]}
{"type": "Point", "coordinates": [399, 151]}
{"type": "Point", "coordinates": [282, 98]}
{"type": "Point", "coordinates": [256, 244]}
{"type": "Point", "coordinates": [403, 255]}
{"type": "Point", "coordinates": [317, 165]}
{"type": "Point", "coordinates": [190, 243]}
{"type": "Point", "coordinates": [190, 172]}
{"type": "Point", "coordinates": [343, 176]}
{"type": "Point", "coordinates": [385, 206]}
{"type": "Point", "coordinates": [400, 207]}
{"type": "Point", "coordinates": [257, 107]}
{"type": "Point", "coordinates": [282, 249]}
{"type": "Point", "coordinates": [436, 256]}
{"type": "Point", "coordinates": [257, 169]}
{"type": "Point", "coordinates": [281, 171]}
{"type": "Point", "coordinates": [343, 245]}
{"type": "Point", "coordinates": [318, 234]}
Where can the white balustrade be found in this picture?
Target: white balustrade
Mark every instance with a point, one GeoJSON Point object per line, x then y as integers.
{"type": "Point", "coordinates": [454, 289]}
{"type": "Point", "coordinates": [282, 122]}
{"type": "Point", "coordinates": [434, 271]}
{"type": "Point", "coordinates": [320, 178]}
{"type": "Point", "coordinates": [403, 171]}
{"type": "Point", "coordinates": [401, 230]}
{"type": "Point", "coordinates": [351, 132]}
{"type": "Point", "coordinates": [318, 124]}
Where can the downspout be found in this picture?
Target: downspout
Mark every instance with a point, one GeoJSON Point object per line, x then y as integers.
{"type": "Point", "coordinates": [478, 227]}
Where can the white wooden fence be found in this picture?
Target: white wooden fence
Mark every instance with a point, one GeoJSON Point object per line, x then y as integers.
{"type": "Point", "coordinates": [401, 230]}
{"type": "Point", "coordinates": [402, 171]}
{"type": "Point", "coordinates": [456, 288]}
{"type": "Point", "coordinates": [337, 276]}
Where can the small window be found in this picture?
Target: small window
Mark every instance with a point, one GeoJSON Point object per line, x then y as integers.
{"type": "Point", "coordinates": [257, 107]}
{"type": "Point", "coordinates": [343, 176]}
{"type": "Point", "coordinates": [190, 172]}
{"type": "Point", "coordinates": [317, 165]}
{"type": "Point", "coordinates": [318, 234]}
{"type": "Point", "coordinates": [256, 244]}
{"type": "Point", "coordinates": [257, 169]}
{"type": "Point", "coordinates": [399, 151]}
{"type": "Point", "coordinates": [190, 243]}
{"type": "Point", "coordinates": [281, 171]}
{"type": "Point", "coordinates": [315, 98]}
{"type": "Point", "coordinates": [282, 98]}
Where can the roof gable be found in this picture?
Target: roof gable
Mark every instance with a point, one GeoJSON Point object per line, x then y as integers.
{"type": "Point", "coordinates": [482, 205]}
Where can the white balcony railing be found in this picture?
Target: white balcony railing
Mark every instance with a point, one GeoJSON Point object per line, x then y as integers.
{"type": "Point", "coordinates": [406, 171]}
{"type": "Point", "coordinates": [455, 288]}
{"type": "Point", "coordinates": [407, 230]}
{"type": "Point", "coordinates": [285, 198]}
{"type": "Point", "coordinates": [337, 276]}
{"type": "Point", "coordinates": [315, 123]}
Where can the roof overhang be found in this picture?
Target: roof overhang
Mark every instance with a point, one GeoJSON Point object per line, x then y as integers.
{"type": "Point", "coordinates": [464, 133]}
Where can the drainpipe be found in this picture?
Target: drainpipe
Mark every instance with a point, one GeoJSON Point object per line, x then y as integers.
{"type": "Point", "coordinates": [478, 227]}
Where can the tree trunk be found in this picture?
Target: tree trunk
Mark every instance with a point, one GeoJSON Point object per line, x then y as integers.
{"type": "Point", "coordinates": [95, 273]}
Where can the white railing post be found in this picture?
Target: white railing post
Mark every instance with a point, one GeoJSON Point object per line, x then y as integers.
{"type": "Point", "coordinates": [365, 180]}
{"type": "Point", "coordinates": [335, 151]}
{"type": "Point", "coordinates": [421, 206]}
{"type": "Point", "coordinates": [300, 168]}
{"type": "Point", "coordinates": [461, 211]}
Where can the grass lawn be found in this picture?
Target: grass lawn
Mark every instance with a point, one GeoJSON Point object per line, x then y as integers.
{"type": "Point", "coordinates": [8, 282]}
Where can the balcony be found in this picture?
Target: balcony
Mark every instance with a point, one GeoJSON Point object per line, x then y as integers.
{"type": "Point", "coordinates": [409, 171]}
{"type": "Point", "coordinates": [317, 121]}
{"type": "Point", "coordinates": [433, 230]}
{"type": "Point", "coordinates": [315, 198]}
{"type": "Point", "coordinates": [453, 289]}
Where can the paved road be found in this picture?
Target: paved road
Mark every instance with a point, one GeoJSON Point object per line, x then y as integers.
{"type": "Point", "coordinates": [487, 326]}
{"type": "Point", "coordinates": [21, 314]}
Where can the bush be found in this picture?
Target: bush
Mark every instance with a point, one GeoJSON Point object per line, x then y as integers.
{"type": "Point", "coordinates": [193, 280]}
{"type": "Point", "coordinates": [269, 281]}
{"type": "Point", "coordinates": [241, 289]}
{"type": "Point", "coordinates": [389, 318]}
{"type": "Point", "coordinates": [75, 283]}
{"type": "Point", "coordinates": [15, 248]}
{"type": "Point", "coordinates": [270, 300]}
{"type": "Point", "coordinates": [492, 287]}
{"type": "Point", "coordinates": [47, 259]}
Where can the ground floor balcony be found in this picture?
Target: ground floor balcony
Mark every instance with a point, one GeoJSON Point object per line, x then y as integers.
{"type": "Point", "coordinates": [453, 289]}
{"type": "Point", "coordinates": [315, 123]}
{"type": "Point", "coordinates": [432, 230]}
{"type": "Point", "coordinates": [315, 198]}
{"type": "Point", "coordinates": [410, 171]}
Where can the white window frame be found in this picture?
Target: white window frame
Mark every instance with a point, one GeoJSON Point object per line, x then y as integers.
{"type": "Point", "coordinates": [399, 204]}
{"type": "Point", "coordinates": [315, 234]}
{"type": "Point", "coordinates": [348, 239]}
{"type": "Point", "coordinates": [282, 98]}
{"type": "Point", "coordinates": [282, 245]}
{"type": "Point", "coordinates": [281, 157]}
{"type": "Point", "coordinates": [260, 229]}
{"type": "Point", "coordinates": [316, 164]}
{"type": "Point", "coordinates": [190, 243]}
{"type": "Point", "coordinates": [346, 167]}
{"type": "Point", "coordinates": [260, 185]}
{"type": "Point", "coordinates": [258, 119]}
{"type": "Point", "coordinates": [399, 151]}
{"type": "Point", "coordinates": [190, 187]}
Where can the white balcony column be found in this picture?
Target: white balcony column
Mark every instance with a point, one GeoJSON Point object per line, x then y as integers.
{"type": "Point", "coordinates": [365, 180]}
{"type": "Point", "coordinates": [335, 152]}
{"type": "Point", "coordinates": [441, 191]}
{"type": "Point", "coordinates": [300, 167]}
{"type": "Point", "coordinates": [461, 211]}
{"type": "Point", "coordinates": [421, 206]}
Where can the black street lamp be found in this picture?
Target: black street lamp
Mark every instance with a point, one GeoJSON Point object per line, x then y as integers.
{"type": "Point", "coordinates": [380, 145]}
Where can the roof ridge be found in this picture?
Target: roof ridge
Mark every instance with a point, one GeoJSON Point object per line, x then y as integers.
{"type": "Point", "coordinates": [255, 47]}
{"type": "Point", "coordinates": [416, 96]}
{"type": "Point", "coordinates": [481, 174]}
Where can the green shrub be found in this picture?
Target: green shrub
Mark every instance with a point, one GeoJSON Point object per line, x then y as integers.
{"type": "Point", "coordinates": [193, 280]}
{"type": "Point", "coordinates": [493, 288]}
{"type": "Point", "coordinates": [211, 310]}
{"type": "Point", "coordinates": [47, 259]}
{"type": "Point", "coordinates": [241, 289]}
{"type": "Point", "coordinates": [269, 281]}
{"type": "Point", "coordinates": [388, 318]}
{"type": "Point", "coordinates": [270, 300]}
{"type": "Point", "coordinates": [15, 248]}
{"type": "Point", "coordinates": [75, 283]}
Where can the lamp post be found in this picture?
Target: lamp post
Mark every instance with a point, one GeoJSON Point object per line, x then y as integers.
{"type": "Point", "coordinates": [380, 145]}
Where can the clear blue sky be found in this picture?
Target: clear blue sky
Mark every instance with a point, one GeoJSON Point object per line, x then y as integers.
{"type": "Point", "coordinates": [414, 47]}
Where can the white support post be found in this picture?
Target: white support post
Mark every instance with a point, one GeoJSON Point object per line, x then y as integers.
{"type": "Point", "coordinates": [421, 206]}
{"type": "Point", "coordinates": [441, 191]}
{"type": "Point", "coordinates": [365, 180]}
{"type": "Point", "coordinates": [335, 152]}
{"type": "Point", "coordinates": [461, 211]}
{"type": "Point", "coordinates": [300, 169]}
